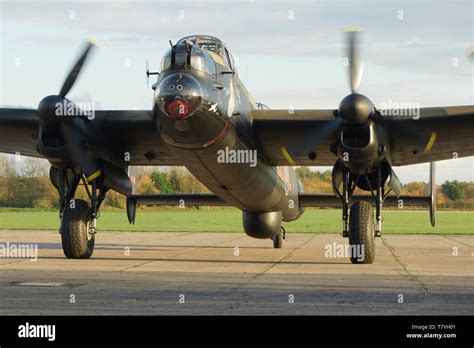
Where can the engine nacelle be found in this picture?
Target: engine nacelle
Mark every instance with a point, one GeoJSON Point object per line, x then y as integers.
{"type": "Point", "coordinates": [262, 225]}
{"type": "Point", "coordinates": [116, 179]}
{"type": "Point", "coordinates": [359, 149]}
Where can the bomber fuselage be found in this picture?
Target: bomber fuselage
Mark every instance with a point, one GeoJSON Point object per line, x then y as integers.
{"type": "Point", "coordinates": [203, 112]}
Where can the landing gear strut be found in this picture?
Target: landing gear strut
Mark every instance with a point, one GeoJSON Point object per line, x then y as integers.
{"type": "Point", "coordinates": [78, 218]}
{"type": "Point", "coordinates": [359, 226]}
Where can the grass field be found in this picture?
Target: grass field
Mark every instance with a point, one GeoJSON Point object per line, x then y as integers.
{"type": "Point", "coordinates": [230, 220]}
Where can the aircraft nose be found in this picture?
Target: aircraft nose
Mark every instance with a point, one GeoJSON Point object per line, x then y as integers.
{"type": "Point", "coordinates": [178, 95]}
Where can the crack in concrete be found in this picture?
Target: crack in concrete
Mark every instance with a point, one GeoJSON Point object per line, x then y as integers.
{"type": "Point", "coordinates": [404, 267]}
{"type": "Point", "coordinates": [274, 264]}
{"type": "Point", "coordinates": [457, 241]}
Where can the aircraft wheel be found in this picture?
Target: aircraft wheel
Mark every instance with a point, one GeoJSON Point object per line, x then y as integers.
{"type": "Point", "coordinates": [361, 232]}
{"type": "Point", "coordinates": [78, 242]}
{"type": "Point", "coordinates": [278, 240]}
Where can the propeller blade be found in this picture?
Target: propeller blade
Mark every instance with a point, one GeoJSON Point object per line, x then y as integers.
{"type": "Point", "coordinates": [74, 73]}
{"type": "Point", "coordinates": [316, 137]}
{"type": "Point", "coordinates": [422, 136]}
{"type": "Point", "coordinates": [79, 150]}
{"type": "Point", "coordinates": [470, 55]}
{"type": "Point", "coordinates": [408, 129]}
{"type": "Point", "coordinates": [356, 67]}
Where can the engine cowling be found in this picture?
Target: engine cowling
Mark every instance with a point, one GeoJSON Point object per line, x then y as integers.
{"type": "Point", "coordinates": [358, 148]}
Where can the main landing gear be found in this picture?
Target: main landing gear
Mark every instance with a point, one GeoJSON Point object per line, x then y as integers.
{"type": "Point", "coordinates": [77, 234]}
{"type": "Point", "coordinates": [78, 217]}
{"type": "Point", "coordinates": [361, 233]}
{"type": "Point", "coordinates": [359, 226]}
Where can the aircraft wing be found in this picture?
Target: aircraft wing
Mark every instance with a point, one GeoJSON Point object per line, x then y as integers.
{"type": "Point", "coordinates": [278, 130]}
{"type": "Point", "coordinates": [123, 130]}
{"type": "Point", "coordinates": [18, 131]}
{"type": "Point", "coordinates": [439, 133]}
{"type": "Point", "coordinates": [134, 131]}
{"type": "Point", "coordinates": [448, 134]}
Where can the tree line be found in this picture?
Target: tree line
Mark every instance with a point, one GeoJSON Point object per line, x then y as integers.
{"type": "Point", "coordinates": [26, 184]}
{"type": "Point", "coordinates": [449, 195]}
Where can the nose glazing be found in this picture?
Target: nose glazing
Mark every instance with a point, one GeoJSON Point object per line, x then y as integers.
{"type": "Point", "coordinates": [179, 95]}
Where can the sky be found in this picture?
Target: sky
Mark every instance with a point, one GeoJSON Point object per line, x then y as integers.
{"type": "Point", "coordinates": [288, 52]}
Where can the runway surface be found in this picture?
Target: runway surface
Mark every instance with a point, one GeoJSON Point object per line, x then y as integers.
{"type": "Point", "coordinates": [229, 273]}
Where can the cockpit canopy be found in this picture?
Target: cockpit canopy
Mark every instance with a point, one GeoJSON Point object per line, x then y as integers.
{"type": "Point", "coordinates": [201, 60]}
{"type": "Point", "coordinates": [208, 43]}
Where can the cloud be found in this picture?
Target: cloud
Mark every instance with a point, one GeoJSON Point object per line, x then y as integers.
{"type": "Point", "coordinates": [263, 27]}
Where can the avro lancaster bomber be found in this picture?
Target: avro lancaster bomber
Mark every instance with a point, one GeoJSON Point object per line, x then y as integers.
{"type": "Point", "coordinates": [204, 118]}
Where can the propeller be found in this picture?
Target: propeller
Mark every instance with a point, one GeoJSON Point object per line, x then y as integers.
{"type": "Point", "coordinates": [48, 111]}
{"type": "Point", "coordinates": [66, 128]}
{"type": "Point", "coordinates": [356, 67]}
{"type": "Point", "coordinates": [316, 137]}
{"type": "Point", "coordinates": [353, 109]}
{"type": "Point", "coordinates": [356, 109]}
{"type": "Point", "coordinates": [76, 69]}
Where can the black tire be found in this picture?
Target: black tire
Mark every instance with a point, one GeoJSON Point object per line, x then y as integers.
{"type": "Point", "coordinates": [278, 240]}
{"type": "Point", "coordinates": [361, 231]}
{"type": "Point", "coordinates": [77, 242]}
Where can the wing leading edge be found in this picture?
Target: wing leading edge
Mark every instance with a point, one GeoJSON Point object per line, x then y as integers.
{"type": "Point", "coordinates": [131, 131]}
{"type": "Point", "coordinates": [449, 135]}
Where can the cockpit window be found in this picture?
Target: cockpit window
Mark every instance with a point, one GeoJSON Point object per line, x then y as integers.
{"type": "Point", "coordinates": [208, 43]}
{"type": "Point", "coordinates": [211, 46]}
{"type": "Point", "coordinates": [202, 61]}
